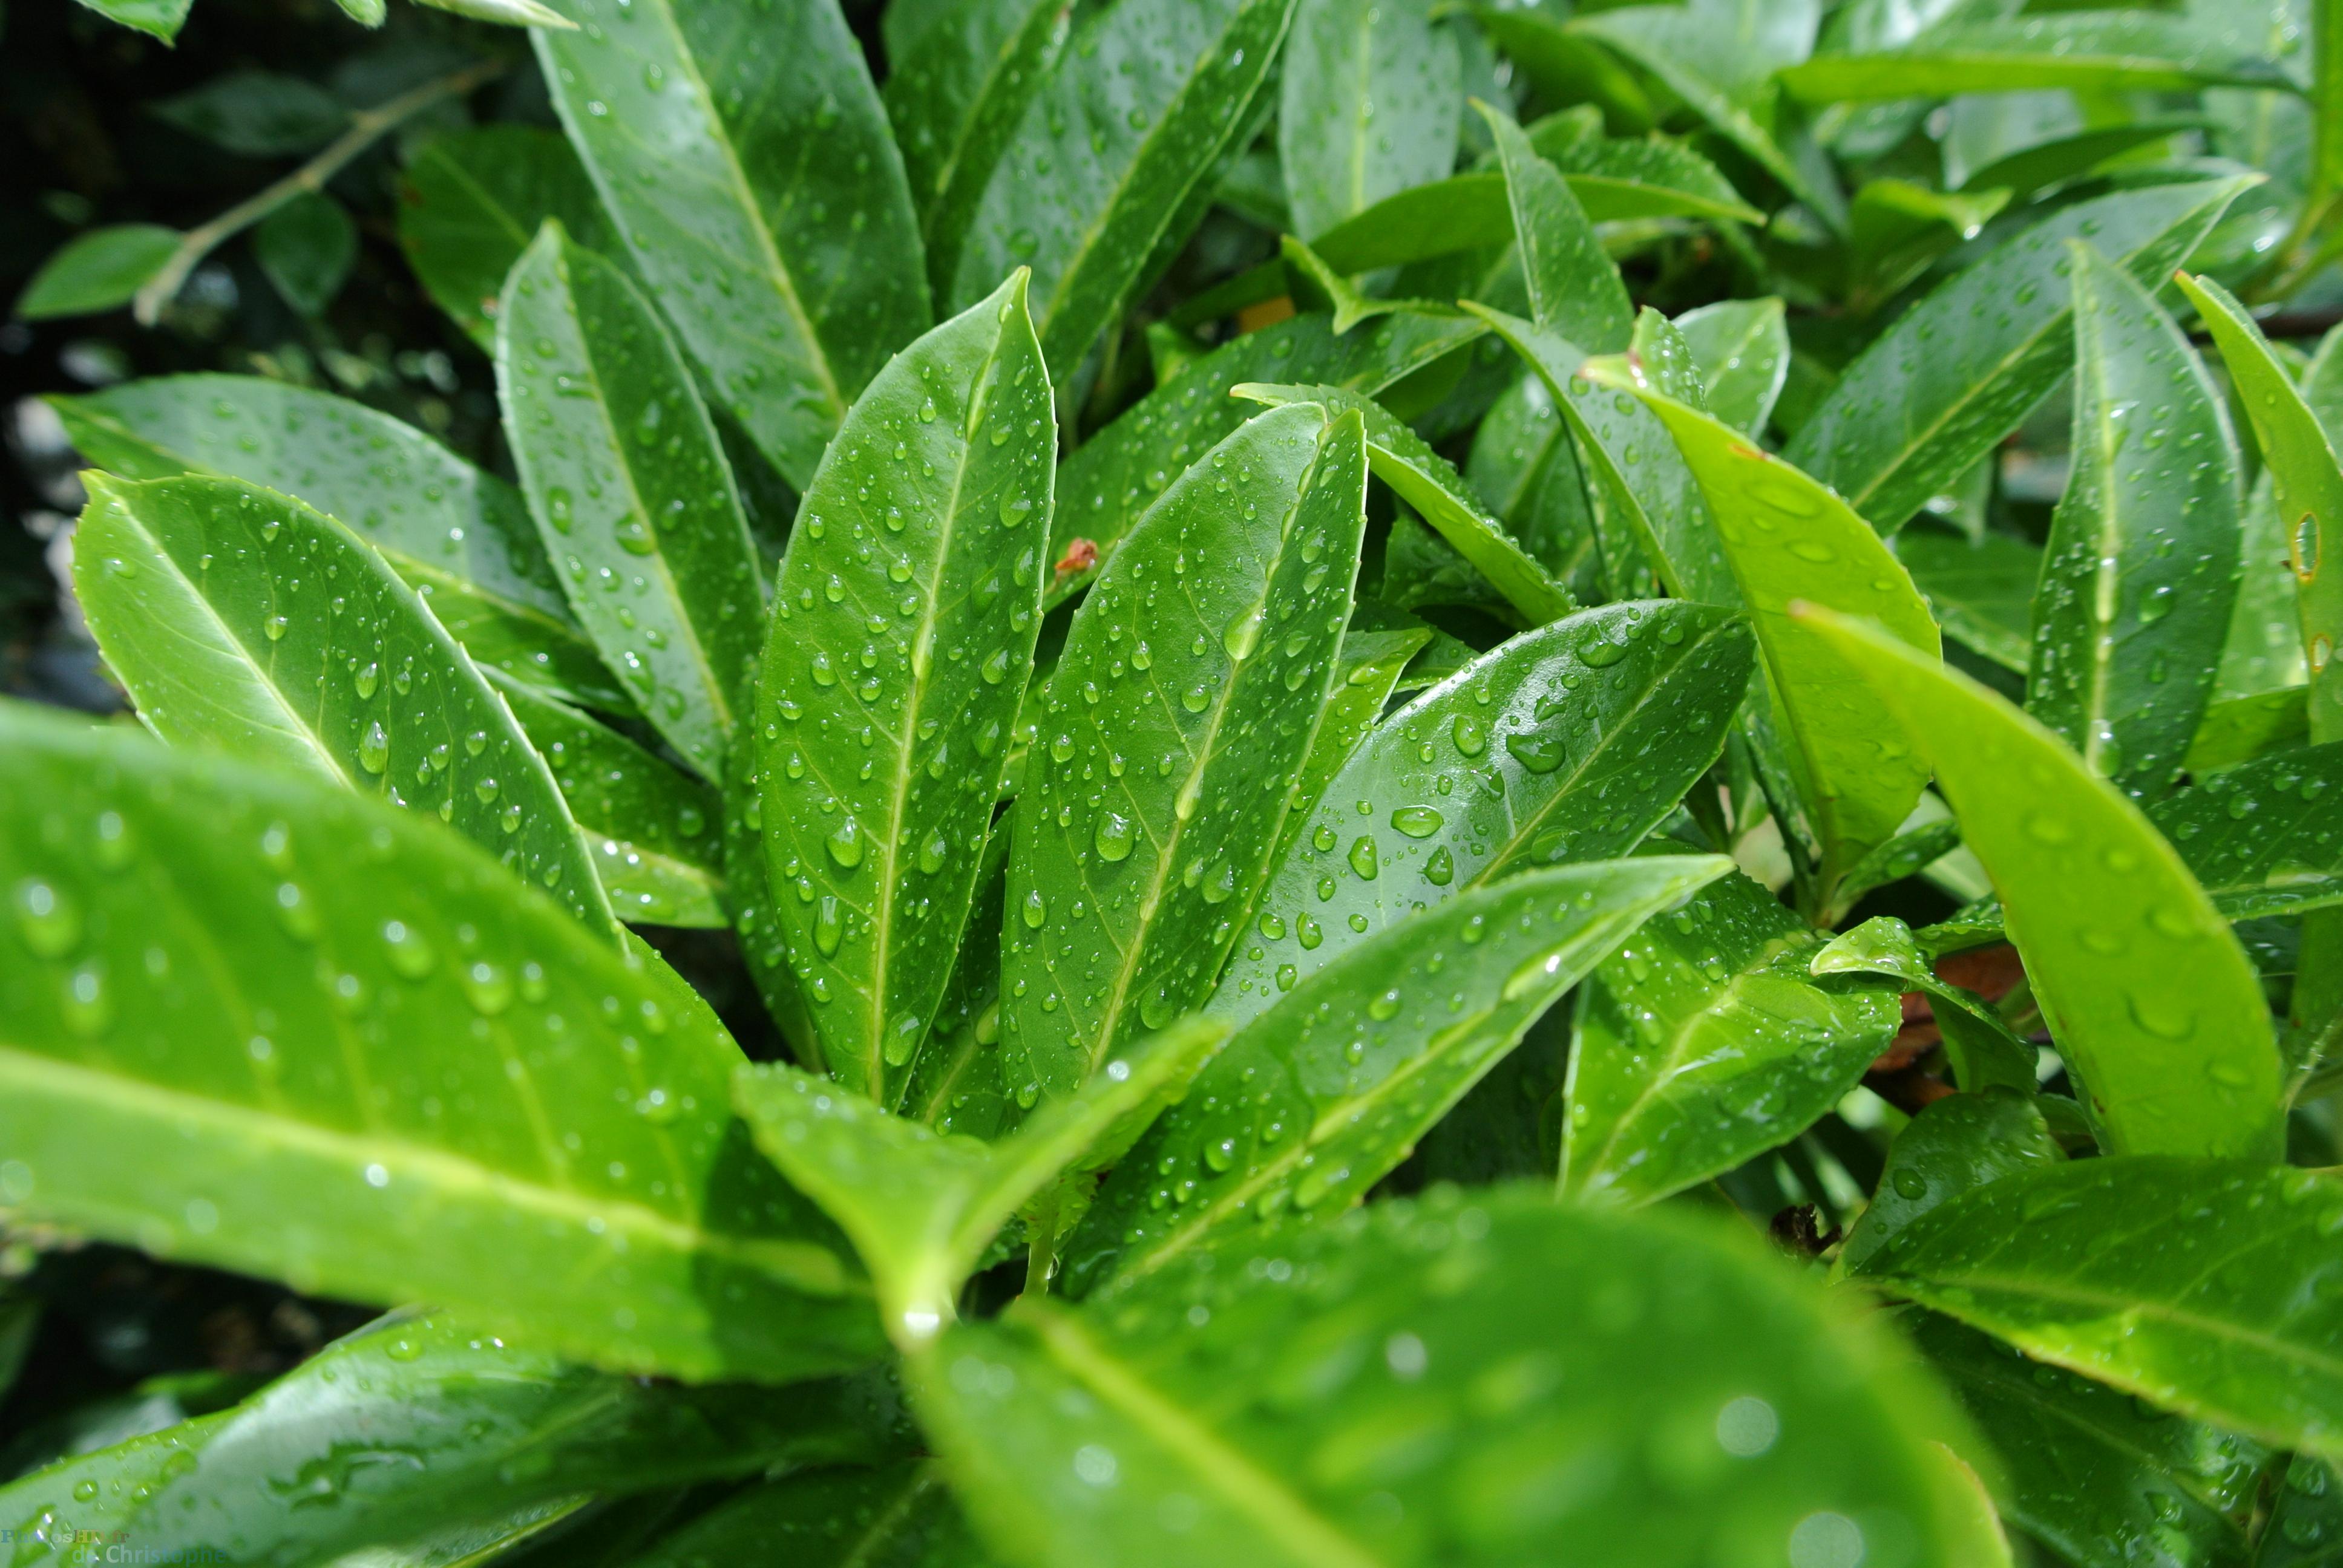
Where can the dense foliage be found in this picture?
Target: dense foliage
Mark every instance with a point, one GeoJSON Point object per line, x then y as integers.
{"type": "Point", "coordinates": [1203, 781]}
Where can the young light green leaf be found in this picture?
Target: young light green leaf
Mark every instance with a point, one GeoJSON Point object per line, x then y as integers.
{"type": "Point", "coordinates": [1431, 484]}
{"type": "Point", "coordinates": [1274, 1398]}
{"type": "Point", "coordinates": [898, 1515]}
{"type": "Point", "coordinates": [901, 637]}
{"type": "Point", "coordinates": [1704, 1041]}
{"type": "Point", "coordinates": [1575, 288]}
{"type": "Point", "coordinates": [270, 1026]}
{"type": "Point", "coordinates": [743, 156]}
{"type": "Point", "coordinates": [630, 490]}
{"type": "Point", "coordinates": [1788, 538]}
{"type": "Point", "coordinates": [1370, 98]}
{"type": "Point", "coordinates": [2090, 51]}
{"type": "Point", "coordinates": [97, 270]}
{"type": "Point", "coordinates": [471, 202]}
{"type": "Point", "coordinates": [1956, 373]}
{"type": "Point", "coordinates": [921, 1207]}
{"type": "Point", "coordinates": [460, 537]}
{"type": "Point", "coordinates": [160, 19]}
{"type": "Point", "coordinates": [1983, 1049]}
{"type": "Point", "coordinates": [1743, 349]}
{"type": "Point", "coordinates": [242, 621]}
{"type": "Point", "coordinates": [654, 830]}
{"type": "Point", "coordinates": [2089, 1468]}
{"type": "Point", "coordinates": [1980, 591]}
{"type": "Point", "coordinates": [2141, 569]}
{"type": "Point", "coordinates": [2192, 1284]}
{"type": "Point", "coordinates": [1176, 726]}
{"type": "Point", "coordinates": [1317, 1100]}
{"type": "Point", "coordinates": [955, 96]}
{"type": "Point", "coordinates": [1145, 102]}
{"type": "Point", "coordinates": [1567, 743]}
{"type": "Point", "coordinates": [1118, 474]}
{"type": "Point", "coordinates": [2149, 997]}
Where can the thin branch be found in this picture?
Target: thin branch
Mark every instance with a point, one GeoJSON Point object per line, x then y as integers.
{"type": "Point", "coordinates": [367, 127]}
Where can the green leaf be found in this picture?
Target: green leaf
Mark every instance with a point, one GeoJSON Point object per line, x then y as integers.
{"type": "Point", "coordinates": [460, 537]}
{"type": "Point", "coordinates": [1980, 591]}
{"type": "Point", "coordinates": [1431, 484]}
{"type": "Point", "coordinates": [1568, 743]}
{"type": "Point", "coordinates": [743, 156]}
{"type": "Point", "coordinates": [1118, 474]}
{"type": "Point", "coordinates": [956, 1084]}
{"type": "Point", "coordinates": [654, 830]}
{"type": "Point", "coordinates": [1955, 1145]}
{"type": "Point", "coordinates": [749, 900]}
{"type": "Point", "coordinates": [2244, 727]}
{"type": "Point", "coordinates": [2042, 165]}
{"type": "Point", "coordinates": [898, 1515]}
{"type": "Point", "coordinates": [1315, 1100]}
{"type": "Point", "coordinates": [2149, 997]}
{"type": "Point", "coordinates": [1575, 288]}
{"type": "Point", "coordinates": [243, 622]}
{"type": "Point", "coordinates": [2305, 1529]}
{"type": "Point", "coordinates": [306, 248]}
{"type": "Point", "coordinates": [1445, 1383]}
{"type": "Point", "coordinates": [1704, 1041]}
{"type": "Point", "coordinates": [1958, 372]}
{"type": "Point", "coordinates": [2140, 572]}
{"type": "Point", "coordinates": [1366, 673]}
{"type": "Point", "coordinates": [1895, 229]}
{"type": "Point", "coordinates": [1524, 465]}
{"type": "Point", "coordinates": [256, 113]}
{"type": "Point", "coordinates": [273, 1027]}
{"type": "Point", "coordinates": [1175, 727]}
{"type": "Point", "coordinates": [1142, 104]}
{"type": "Point", "coordinates": [1982, 1048]}
{"type": "Point", "coordinates": [1565, 67]}
{"type": "Point", "coordinates": [2091, 1473]}
{"type": "Point", "coordinates": [2088, 51]}
{"type": "Point", "coordinates": [1371, 99]}
{"type": "Point", "coordinates": [161, 18]}
{"type": "Point", "coordinates": [2263, 836]}
{"type": "Point", "coordinates": [955, 95]}
{"type": "Point", "coordinates": [1743, 349]}
{"type": "Point", "coordinates": [882, 742]}
{"type": "Point", "coordinates": [2265, 649]}
{"type": "Point", "coordinates": [1907, 854]}
{"type": "Point", "coordinates": [2192, 1283]}
{"type": "Point", "coordinates": [505, 13]}
{"type": "Point", "coordinates": [1789, 539]}
{"type": "Point", "coordinates": [630, 490]}
{"type": "Point", "coordinates": [99, 270]}
{"type": "Point", "coordinates": [472, 201]}
{"type": "Point", "coordinates": [417, 1423]}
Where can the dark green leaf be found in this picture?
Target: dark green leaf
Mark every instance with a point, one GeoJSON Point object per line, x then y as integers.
{"type": "Point", "coordinates": [1981, 590]}
{"type": "Point", "coordinates": [270, 1026]}
{"type": "Point", "coordinates": [1954, 1146]}
{"type": "Point", "coordinates": [2149, 997]}
{"type": "Point", "coordinates": [256, 113]}
{"type": "Point", "coordinates": [1453, 1383]}
{"type": "Point", "coordinates": [1743, 349]}
{"type": "Point", "coordinates": [1366, 675]}
{"type": "Point", "coordinates": [2088, 51]}
{"type": "Point", "coordinates": [1568, 743]}
{"type": "Point", "coordinates": [1176, 726]}
{"type": "Point", "coordinates": [2244, 727]}
{"type": "Point", "coordinates": [1316, 1099]}
{"type": "Point", "coordinates": [1371, 95]}
{"type": "Point", "coordinates": [630, 490]}
{"type": "Point", "coordinates": [2197, 1284]}
{"type": "Point", "coordinates": [1525, 467]}
{"type": "Point", "coordinates": [749, 900]}
{"type": "Point", "coordinates": [1704, 1041]}
{"type": "Point", "coordinates": [96, 271]}
{"type": "Point", "coordinates": [742, 153]}
{"type": "Point", "coordinates": [1911, 851]}
{"type": "Point", "coordinates": [1958, 372]}
{"type": "Point", "coordinates": [956, 1083]}
{"type": "Point", "coordinates": [901, 639]}
{"type": "Point", "coordinates": [306, 248]}
{"type": "Point", "coordinates": [1896, 228]}
{"type": "Point", "coordinates": [2305, 1529]}
{"type": "Point", "coordinates": [243, 622]}
{"type": "Point", "coordinates": [1575, 288]}
{"type": "Point", "coordinates": [898, 1515]}
{"type": "Point", "coordinates": [2264, 837]}
{"type": "Point", "coordinates": [2141, 569]}
{"type": "Point", "coordinates": [460, 537]}
{"type": "Point", "coordinates": [2042, 165]}
{"type": "Point", "coordinates": [1564, 66]}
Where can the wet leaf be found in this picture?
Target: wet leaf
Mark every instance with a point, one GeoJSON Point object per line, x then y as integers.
{"type": "Point", "coordinates": [1743, 349]}
{"type": "Point", "coordinates": [1175, 729]}
{"type": "Point", "coordinates": [1980, 591]}
{"type": "Point", "coordinates": [2140, 571]}
{"type": "Point", "coordinates": [1954, 1146]}
{"type": "Point", "coordinates": [1575, 288]}
{"type": "Point", "coordinates": [2244, 727]}
{"type": "Point", "coordinates": [1703, 1041]}
{"type": "Point", "coordinates": [1958, 372]}
{"type": "Point", "coordinates": [1566, 65]}
{"type": "Point", "coordinates": [1455, 1358]}
{"type": "Point", "coordinates": [1371, 99]}
{"type": "Point", "coordinates": [898, 1515]}
{"type": "Point", "coordinates": [460, 537]}
{"type": "Point", "coordinates": [1895, 229]}
{"type": "Point", "coordinates": [1568, 743]}
{"type": "Point", "coordinates": [2192, 1283]}
{"type": "Point", "coordinates": [243, 622]}
{"type": "Point", "coordinates": [269, 1026]}
{"type": "Point", "coordinates": [1524, 466]}
{"type": "Point", "coordinates": [98, 270]}
{"type": "Point", "coordinates": [631, 494]}
{"type": "Point", "coordinates": [2149, 997]}
{"type": "Point", "coordinates": [1315, 1100]}
{"type": "Point", "coordinates": [1366, 673]}
{"type": "Point", "coordinates": [1907, 854]}
{"type": "Point", "coordinates": [901, 639]}
{"type": "Point", "coordinates": [956, 1083]}
{"type": "Point", "coordinates": [1981, 1047]}
{"type": "Point", "coordinates": [2090, 51]}
{"type": "Point", "coordinates": [2305, 1529]}
{"type": "Point", "coordinates": [743, 155]}
{"type": "Point", "coordinates": [2263, 836]}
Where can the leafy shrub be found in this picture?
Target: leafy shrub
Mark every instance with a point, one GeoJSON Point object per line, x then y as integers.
{"type": "Point", "coordinates": [1334, 828]}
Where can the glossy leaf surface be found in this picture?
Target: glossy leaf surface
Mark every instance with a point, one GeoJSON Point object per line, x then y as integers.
{"type": "Point", "coordinates": [898, 1515]}
{"type": "Point", "coordinates": [743, 155]}
{"type": "Point", "coordinates": [631, 493]}
{"type": "Point", "coordinates": [1574, 288]}
{"type": "Point", "coordinates": [1366, 675]}
{"type": "Point", "coordinates": [1315, 1100]}
{"type": "Point", "coordinates": [901, 639]}
{"type": "Point", "coordinates": [1954, 1146]}
{"type": "Point", "coordinates": [2257, 837]}
{"type": "Point", "coordinates": [1981, 591]}
{"type": "Point", "coordinates": [1371, 99]}
{"type": "Point", "coordinates": [2150, 998]}
{"type": "Point", "coordinates": [1981, 1047]}
{"type": "Point", "coordinates": [1176, 725]}
{"type": "Point", "coordinates": [245, 623]}
{"type": "Point", "coordinates": [1567, 743]}
{"type": "Point", "coordinates": [296, 1033]}
{"type": "Point", "coordinates": [2090, 51]}
{"type": "Point", "coordinates": [1743, 349]}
